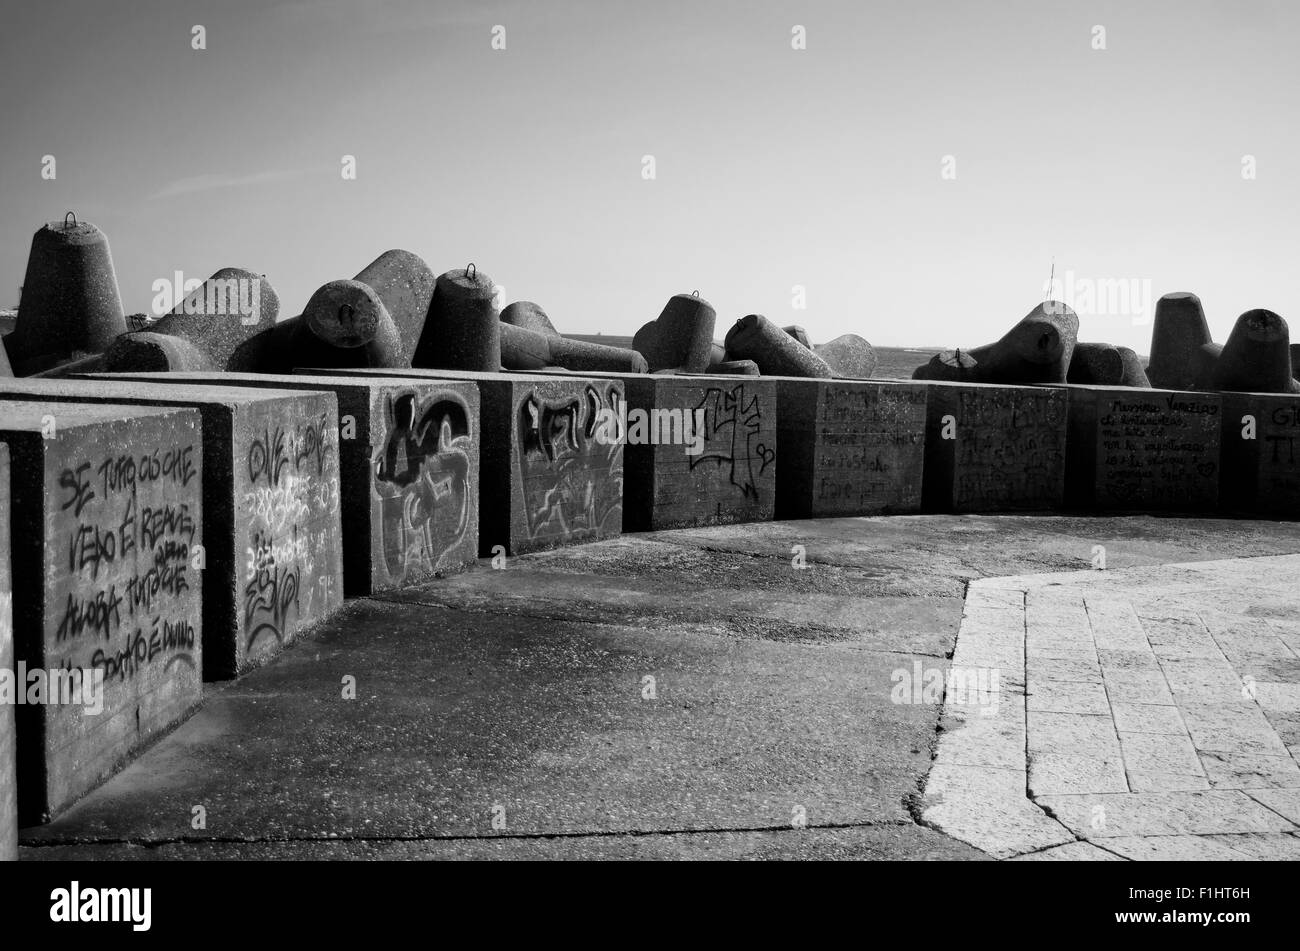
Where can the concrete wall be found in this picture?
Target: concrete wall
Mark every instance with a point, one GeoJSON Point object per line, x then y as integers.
{"type": "Point", "coordinates": [273, 558]}
{"type": "Point", "coordinates": [849, 447]}
{"type": "Point", "coordinates": [1260, 438]}
{"type": "Point", "coordinates": [546, 480]}
{"type": "Point", "coordinates": [107, 510]}
{"type": "Point", "coordinates": [1144, 450]}
{"type": "Point", "coordinates": [732, 478]}
{"type": "Point", "coordinates": [994, 448]}
{"type": "Point", "coordinates": [409, 470]}
{"type": "Point", "coordinates": [8, 740]}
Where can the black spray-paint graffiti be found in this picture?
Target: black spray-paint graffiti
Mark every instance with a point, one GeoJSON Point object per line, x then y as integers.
{"type": "Point", "coordinates": [422, 477]}
{"type": "Point", "coordinates": [732, 422]}
{"type": "Point", "coordinates": [572, 481]}
{"type": "Point", "coordinates": [269, 453]}
{"type": "Point", "coordinates": [271, 591]}
{"type": "Point", "coordinates": [285, 469]}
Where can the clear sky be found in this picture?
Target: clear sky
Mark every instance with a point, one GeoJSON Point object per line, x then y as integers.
{"type": "Point", "coordinates": [774, 167]}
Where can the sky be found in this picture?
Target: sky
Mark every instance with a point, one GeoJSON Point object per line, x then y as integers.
{"type": "Point", "coordinates": [912, 175]}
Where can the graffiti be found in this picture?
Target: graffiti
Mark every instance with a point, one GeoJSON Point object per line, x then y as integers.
{"type": "Point", "coordinates": [125, 562]}
{"type": "Point", "coordinates": [732, 422]}
{"type": "Point", "coordinates": [310, 443]}
{"type": "Point", "coordinates": [270, 593]}
{"type": "Point", "coordinates": [174, 637]}
{"type": "Point", "coordinates": [267, 456]}
{"type": "Point", "coordinates": [269, 453]}
{"type": "Point", "coordinates": [572, 480]}
{"type": "Point", "coordinates": [422, 477]}
{"type": "Point", "coordinates": [291, 494]}
{"type": "Point", "coordinates": [126, 473]}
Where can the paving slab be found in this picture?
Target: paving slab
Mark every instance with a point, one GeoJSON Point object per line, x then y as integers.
{"type": "Point", "coordinates": [1142, 735]}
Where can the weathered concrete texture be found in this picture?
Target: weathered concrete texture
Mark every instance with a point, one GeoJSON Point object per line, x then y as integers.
{"type": "Point", "coordinates": [525, 349]}
{"type": "Point", "coordinates": [1036, 350]}
{"type": "Point", "coordinates": [271, 503]}
{"type": "Point", "coordinates": [70, 306]}
{"type": "Point", "coordinates": [849, 448]}
{"type": "Point", "coordinates": [5, 368]}
{"type": "Point", "coordinates": [463, 329]}
{"type": "Point", "coordinates": [1261, 454]}
{"type": "Point", "coordinates": [776, 352]}
{"type": "Point", "coordinates": [1150, 713]}
{"type": "Point", "coordinates": [552, 473]}
{"type": "Point", "coordinates": [106, 517]}
{"type": "Point", "coordinates": [994, 448]}
{"type": "Point", "coordinates": [723, 471]}
{"type": "Point", "coordinates": [735, 368]}
{"type": "Point", "coordinates": [798, 333]}
{"type": "Point", "coordinates": [681, 337]}
{"type": "Point", "coordinates": [529, 341]}
{"type": "Point", "coordinates": [144, 351]}
{"type": "Point", "coordinates": [1142, 451]}
{"type": "Point", "coordinates": [764, 700]}
{"type": "Point", "coordinates": [408, 471]}
{"type": "Point", "coordinates": [345, 324]}
{"type": "Point", "coordinates": [888, 840]}
{"type": "Point", "coordinates": [1102, 364]}
{"type": "Point", "coordinates": [217, 326]}
{"type": "Point", "coordinates": [529, 316]}
{"type": "Point", "coordinates": [1177, 334]}
{"type": "Point", "coordinates": [1257, 356]}
{"type": "Point", "coordinates": [849, 357]}
{"type": "Point", "coordinates": [8, 739]}
{"type": "Point", "coordinates": [405, 284]}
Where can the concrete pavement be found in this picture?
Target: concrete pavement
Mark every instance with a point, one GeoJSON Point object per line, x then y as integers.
{"type": "Point", "coordinates": [1144, 713]}
{"type": "Point", "coordinates": [688, 694]}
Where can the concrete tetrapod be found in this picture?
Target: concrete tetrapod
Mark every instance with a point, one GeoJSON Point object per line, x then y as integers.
{"type": "Point", "coordinates": [70, 306]}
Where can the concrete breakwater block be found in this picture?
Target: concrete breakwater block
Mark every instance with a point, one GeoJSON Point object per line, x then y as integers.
{"type": "Point", "coordinates": [1177, 333]}
{"type": "Point", "coordinates": [549, 475]}
{"type": "Point", "coordinates": [1103, 364]}
{"type": "Point", "coordinates": [463, 327]}
{"type": "Point", "coordinates": [849, 448]}
{"type": "Point", "coordinates": [991, 448]}
{"type": "Point", "coordinates": [107, 511]}
{"type": "Point", "coordinates": [1260, 454]}
{"type": "Point", "coordinates": [1142, 449]}
{"type": "Point", "coordinates": [1038, 349]}
{"type": "Point", "coordinates": [849, 356]}
{"type": "Point", "coordinates": [70, 305]}
{"type": "Point", "coordinates": [345, 323]}
{"type": "Point", "coordinates": [681, 337]}
{"type": "Point", "coordinates": [525, 349]}
{"type": "Point", "coordinates": [8, 736]}
{"type": "Point", "coordinates": [776, 352]}
{"type": "Point", "coordinates": [529, 341]}
{"type": "Point", "coordinates": [408, 471]}
{"type": "Point", "coordinates": [273, 549]}
{"type": "Point", "coordinates": [1256, 356]}
{"type": "Point", "coordinates": [699, 451]}
{"type": "Point", "coordinates": [217, 326]}
{"type": "Point", "coordinates": [405, 284]}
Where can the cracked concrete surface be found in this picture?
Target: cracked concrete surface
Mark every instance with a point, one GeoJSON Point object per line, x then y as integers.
{"type": "Point", "coordinates": [1146, 713]}
{"type": "Point", "coordinates": [508, 714]}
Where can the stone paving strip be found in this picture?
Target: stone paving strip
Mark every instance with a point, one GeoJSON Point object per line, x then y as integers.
{"type": "Point", "coordinates": [1142, 713]}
